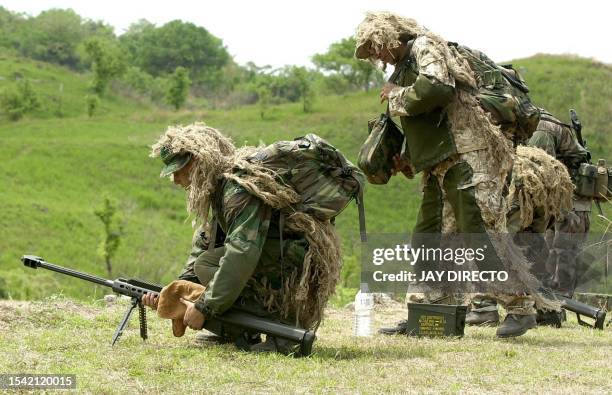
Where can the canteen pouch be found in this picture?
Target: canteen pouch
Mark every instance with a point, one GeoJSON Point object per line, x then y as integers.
{"type": "Point", "coordinates": [601, 185]}
{"type": "Point", "coordinates": [385, 139]}
{"type": "Point", "coordinates": [586, 180]}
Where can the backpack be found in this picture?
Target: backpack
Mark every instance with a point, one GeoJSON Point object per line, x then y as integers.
{"type": "Point", "coordinates": [322, 176]}
{"type": "Point", "coordinates": [503, 93]}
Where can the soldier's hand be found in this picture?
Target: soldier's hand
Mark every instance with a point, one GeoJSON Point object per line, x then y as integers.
{"type": "Point", "coordinates": [150, 300]}
{"type": "Point", "coordinates": [193, 317]}
{"type": "Point", "coordinates": [386, 90]}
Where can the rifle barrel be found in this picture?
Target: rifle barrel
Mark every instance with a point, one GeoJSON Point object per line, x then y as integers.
{"type": "Point", "coordinates": [35, 262]}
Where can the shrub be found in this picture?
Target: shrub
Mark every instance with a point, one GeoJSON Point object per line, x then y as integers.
{"type": "Point", "coordinates": [19, 100]}
{"type": "Point", "coordinates": [93, 102]}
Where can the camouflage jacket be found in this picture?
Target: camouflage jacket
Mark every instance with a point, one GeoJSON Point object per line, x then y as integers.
{"type": "Point", "coordinates": [425, 88]}
{"type": "Point", "coordinates": [558, 140]}
{"type": "Point", "coordinates": [251, 261]}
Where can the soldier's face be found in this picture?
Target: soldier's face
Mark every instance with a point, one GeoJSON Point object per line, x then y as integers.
{"type": "Point", "coordinates": [386, 55]}
{"type": "Point", "coordinates": [181, 176]}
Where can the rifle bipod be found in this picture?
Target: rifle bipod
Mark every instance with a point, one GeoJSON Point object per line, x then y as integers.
{"type": "Point", "coordinates": [142, 316]}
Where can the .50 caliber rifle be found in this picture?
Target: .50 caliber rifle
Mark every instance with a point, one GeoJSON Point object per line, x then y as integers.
{"type": "Point", "coordinates": [136, 289]}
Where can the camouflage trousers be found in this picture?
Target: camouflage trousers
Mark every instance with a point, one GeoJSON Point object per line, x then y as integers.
{"type": "Point", "coordinates": [465, 195]}
{"type": "Point", "coordinates": [561, 270]}
{"type": "Point", "coordinates": [205, 268]}
{"type": "Point", "coordinates": [532, 239]}
{"type": "Point", "coordinates": [253, 297]}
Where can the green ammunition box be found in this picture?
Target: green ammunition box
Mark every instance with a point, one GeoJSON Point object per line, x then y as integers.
{"type": "Point", "coordinates": [436, 319]}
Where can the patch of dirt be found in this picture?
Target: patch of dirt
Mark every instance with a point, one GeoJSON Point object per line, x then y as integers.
{"type": "Point", "coordinates": [17, 311]}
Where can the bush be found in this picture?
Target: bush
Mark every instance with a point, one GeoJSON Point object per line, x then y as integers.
{"type": "Point", "coordinates": [139, 81]}
{"type": "Point", "coordinates": [107, 62]}
{"type": "Point", "coordinates": [93, 102]}
{"type": "Point", "coordinates": [19, 100]}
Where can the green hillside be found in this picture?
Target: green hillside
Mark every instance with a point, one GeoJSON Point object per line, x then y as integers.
{"type": "Point", "coordinates": [558, 83]}
{"type": "Point", "coordinates": [57, 171]}
{"type": "Point", "coordinates": [61, 91]}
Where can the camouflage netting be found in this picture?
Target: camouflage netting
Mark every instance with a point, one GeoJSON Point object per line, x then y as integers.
{"type": "Point", "coordinates": [540, 181]}
{"type": "Point", "coordinates": [465, 113]}
{"type": "Point", "coordinates": [384, 29]}
{"type": "Point", "coordinates": [217, 158]}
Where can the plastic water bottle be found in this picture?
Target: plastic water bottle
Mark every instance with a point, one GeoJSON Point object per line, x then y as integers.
{"type": "Point", "coordinates": [364, 312]}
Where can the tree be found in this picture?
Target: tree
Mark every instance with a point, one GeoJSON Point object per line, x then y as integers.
{"type": "Point", "coordinates": [53, 36]}
{"type": "Point", "coordinates": [303, 78]}
{"type": "Point", "coordinates": [92, 102]}
{"type": "Point", "coordinates": [113, 231]}
{"type": "Point", "coordinates": [340, 60]}
{"type": "Point", "coordinates": [160, 50]}
{"type": "Point", "coordinates": [11, 26]}
{"type": "Point", "coordinates": [263, 100]}
{"type": "Point", "coordinates": [178, 88]}
{"type": "Point", "coordinates": [107, 62]}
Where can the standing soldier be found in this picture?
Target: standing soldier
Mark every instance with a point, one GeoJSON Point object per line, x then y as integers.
{"type": "Point", "coordinates": [558, 140]}
{"type": "Point", "coordinates": [464, 157]}
{"type": "Point", "coordinates": [557, 265]}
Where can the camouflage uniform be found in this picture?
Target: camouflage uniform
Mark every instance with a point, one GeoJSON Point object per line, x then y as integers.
{"type": "Point", "coordinates": [559, 141]}
{"type": "Point", "coordinates": [244, 270]}
{"type": "Point", "coordinates": [462, 189]}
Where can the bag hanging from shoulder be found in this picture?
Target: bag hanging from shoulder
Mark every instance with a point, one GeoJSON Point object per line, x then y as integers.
{"type": "Point", "coordinates": [384, 141]}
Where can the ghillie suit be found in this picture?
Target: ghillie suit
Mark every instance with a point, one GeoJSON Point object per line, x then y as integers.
{"type": "Point", "coordinates": [301, 297]}
{"type": "Point", "coordinates": [464, 155]}
{"type": "Point", "coordinates": [540, 194]}
{"type": "Point", "coordinates": [471, 127]}
{"type": "Point", "coordinates": [539, 182]}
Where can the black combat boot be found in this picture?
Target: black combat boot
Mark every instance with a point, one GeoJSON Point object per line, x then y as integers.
{"type": "Point", "coordinates": [204, 338]}
{"type": "Point", "coordinates": [483, 313]}
{"type": "Point", "coordinates": [401, 328]}
{"type": "Point", "coordinates": [516, 325]}
{"type": "Point", "coordinates": [276, 344]}
{"type": "Point", "coordinates": [482, 318]}
{"type": "Point", "coordinates": [549, 318]}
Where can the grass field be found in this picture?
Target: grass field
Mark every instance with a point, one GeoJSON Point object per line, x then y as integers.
{"type": "Point", "coordinates": [61, 336]}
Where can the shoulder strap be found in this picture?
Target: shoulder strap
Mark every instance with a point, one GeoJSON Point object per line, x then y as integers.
{"type": "Point", "coordinates": [281, 228]}
{"type": "Point", "coordinates": [361, 209]}
{"type": "Point", "coordinates": [216, 208]}
{"type": "Point", "coordinates": [212, 240]}
{"type": "Point", "coordinates": [548, 118]}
